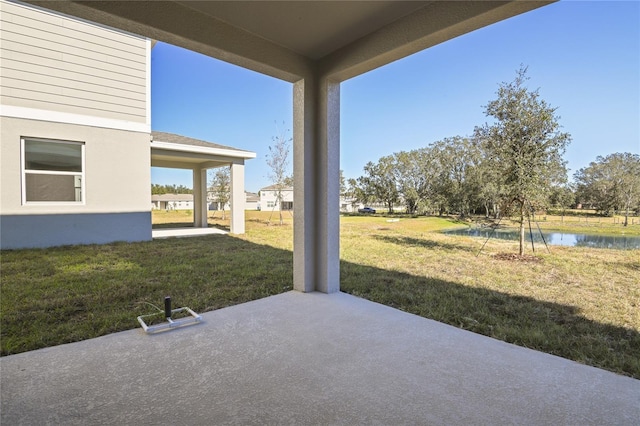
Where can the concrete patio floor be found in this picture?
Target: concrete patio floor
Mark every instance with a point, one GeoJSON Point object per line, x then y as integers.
{"type": "Point", "coordinates": [185, 232]}
{"type": "Point", "coordinates": [304, 359]}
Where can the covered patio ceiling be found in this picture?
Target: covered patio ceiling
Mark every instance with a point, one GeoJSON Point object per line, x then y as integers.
{"type": "Point", "coordinates": [287, 39]}
{"type": "Point", "coordinates": [181, 152]}
{"type": "Point", "coordinates": [315, 45]}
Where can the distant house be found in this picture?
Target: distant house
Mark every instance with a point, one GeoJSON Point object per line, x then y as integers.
{"type": "Point", "coordinates": [172, 202]}
{"type": "Point", "coordinates": [349, 205]}
{"type": "Point", "coordinates": [252, 201]}
{"type": "Point", "coordinates": [269, 198]}
{"type": "Point", "coordinates": [76, 147]}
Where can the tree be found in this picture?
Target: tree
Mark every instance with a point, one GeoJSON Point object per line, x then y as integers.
{"type": "Point", "coordinates": [413, 177]}
{"type": "Point", "coordinates": [379, 182]}
{"type": "Point", "coordinates": [157, 189]}
{"type": "Point", "coordinates": [221, 187]}
{"type": "Point", "coordinates": [458, 180]}
{"type": "Point", "coordinates": [562, 197]}
{"type": "Point", "coordinates": [490, 188]}
{"type": "Point", "coordinates": [356, 193]}
{"type": "Point", "coordinates": [611, 183]}
{"type": "Point", "coordinates": [526, 146]}
{"type": "Point", "coordinates": [278, 162]}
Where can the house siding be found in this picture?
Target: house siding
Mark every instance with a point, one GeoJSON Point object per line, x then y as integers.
{"type": "Point", "coordinates": [268, 198]}
{"type": "Point", "coordinates": [54, 63]}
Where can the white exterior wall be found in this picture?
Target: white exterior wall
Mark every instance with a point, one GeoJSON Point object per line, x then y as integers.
{"type": "Point", "coordinates": [65, 79]}
{"type": "Point", "coordinates": [172, 205]}
{"type": "Point", "coordinates": [116, 182]}
{"type": "Point", "coordinates": [251, 205]}
{"type": "Point", "coordinates": [117, 168]}
{"type": "Point", "coordinates": [269, 196]}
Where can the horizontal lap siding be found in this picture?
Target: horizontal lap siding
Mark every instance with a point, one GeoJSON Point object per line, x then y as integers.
{"type": "Point", "coordinates": [54, 63]}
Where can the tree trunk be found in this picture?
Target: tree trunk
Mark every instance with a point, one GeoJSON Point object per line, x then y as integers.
{"type": "Point", "coordinates": [626, 214]}
{"type": "Point", "coordinates": [521, 229]}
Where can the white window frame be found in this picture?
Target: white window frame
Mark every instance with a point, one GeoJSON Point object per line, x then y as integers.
{"type": "Point", "coordinates": [24, 173]}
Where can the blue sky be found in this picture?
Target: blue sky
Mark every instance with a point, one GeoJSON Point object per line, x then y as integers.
{"type": "Point", "coordinates": [584, 57]}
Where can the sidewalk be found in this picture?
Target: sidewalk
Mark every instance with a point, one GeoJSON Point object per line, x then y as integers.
{"type": "Point", "coordinates": [185, 232]}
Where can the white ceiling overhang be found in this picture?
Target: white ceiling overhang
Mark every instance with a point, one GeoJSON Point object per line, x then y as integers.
{"type": "Point", "coordinates": [173, 155]}
{"type": "Point", "coordinates": [291, 40]}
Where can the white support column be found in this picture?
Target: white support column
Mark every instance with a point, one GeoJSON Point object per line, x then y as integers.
{"type": "Point", "coordinates": [316, 234]}
{"type": "Point", "coordinates": [237, 197]}
{"type": "Point", "coordinates": [200, 197]}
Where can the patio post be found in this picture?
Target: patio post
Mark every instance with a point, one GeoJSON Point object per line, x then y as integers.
{"type": "Point", "coordinates": [237, 197]}
{"type": "Point", "coordinates": [200, 197]}
{"type": "Point", "coordinates": [316, 152]}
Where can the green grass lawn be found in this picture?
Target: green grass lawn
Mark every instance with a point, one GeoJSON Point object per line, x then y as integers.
{"type": "Point", "coordinates": [578, 303]}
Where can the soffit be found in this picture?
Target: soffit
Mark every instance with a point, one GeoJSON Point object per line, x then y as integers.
{"type": "Point", "coordinates": [177, 151]}
{"type": "Point", "coordinates": [312, 29]}
{"type": "Point", "coordinates": [291, 40]}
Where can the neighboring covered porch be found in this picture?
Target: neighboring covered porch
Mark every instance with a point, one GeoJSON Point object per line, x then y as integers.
{"type": "Point", "coordinates": [181, 152]}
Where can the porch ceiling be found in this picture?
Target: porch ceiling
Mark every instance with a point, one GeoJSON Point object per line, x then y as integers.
{"type": "Point", "coordinates": [293, 39]}
{"type": "Point", "coordinates": [310, 28]}
{"type": "Point", "coordinates": [182, 160]}
{"type": "Point", "coordinates": [181, 152]}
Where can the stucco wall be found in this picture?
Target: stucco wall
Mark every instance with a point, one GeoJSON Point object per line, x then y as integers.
{"type": "Point", "coordinates": [37, 231]}
{"type": "Point", "coordinates": [117, 168]}
{"type": "Point", "coordinates": [117, 197]}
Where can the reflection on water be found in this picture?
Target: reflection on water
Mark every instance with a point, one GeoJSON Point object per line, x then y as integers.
{"type": "Point", "coordinates": [619, 242]}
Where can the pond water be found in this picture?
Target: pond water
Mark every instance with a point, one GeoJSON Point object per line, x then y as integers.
{"type": "Point", "coordinates": [556, 238]}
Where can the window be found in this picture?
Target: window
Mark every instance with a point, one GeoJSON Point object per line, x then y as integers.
{"type": "Point", "coordinates": [271, 204]}
{"type": "Point", "coordinates": [53, 171]}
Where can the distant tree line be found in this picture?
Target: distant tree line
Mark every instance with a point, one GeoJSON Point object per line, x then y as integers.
{"type": "Point", "coordinates": [610, 184]}
{"type": "Point", "coordinates": [512, 166]}
{"type": "Point", "coordinates": [456, 176]}
{"type": "Point", "coordinates": [169, 189]}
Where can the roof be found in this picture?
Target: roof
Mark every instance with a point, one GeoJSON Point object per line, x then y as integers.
{"type": "Point", "coordinates": [185, 140]}
{"type": "Point", "coordinates": [274, 187]}
{"type": "Point", "coordinates": [251, 196]}
{"type": "Point", "coordinates": [172, 197]}
{"type": "Point", "coordinates": [177, 151]}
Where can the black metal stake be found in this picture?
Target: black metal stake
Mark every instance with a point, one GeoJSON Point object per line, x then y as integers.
{"type": "Point", "coordinates": [167, 307]}
{"type": "Point", "coordinates": [531, 236]}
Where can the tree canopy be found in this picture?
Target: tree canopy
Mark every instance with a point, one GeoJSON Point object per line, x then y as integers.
{"type": "Point", "coordinates": [611, 184]}
{"type": "Point", "coordinates": [279, 166]}
{"type": "Point", "coordinates": [525, 145]}
{"type": "Point", "coordinates": [220, 186]}
{"type": "Point", "coordinates": [157, 189]}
